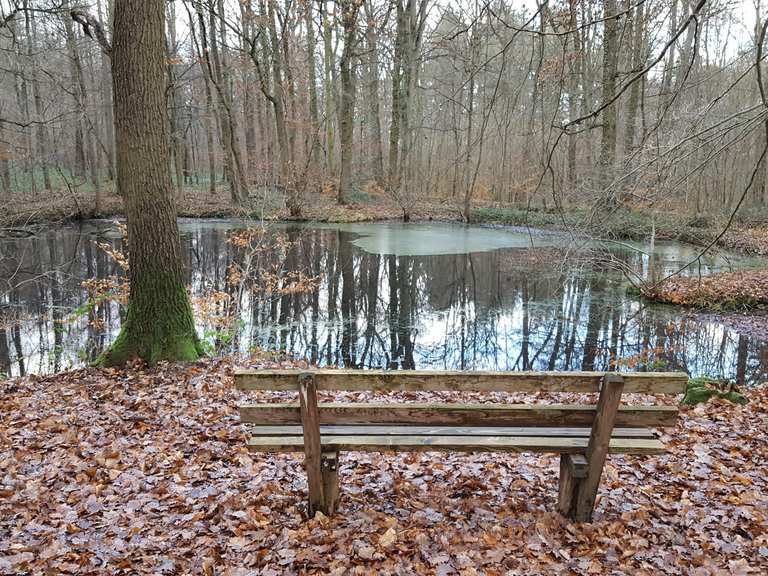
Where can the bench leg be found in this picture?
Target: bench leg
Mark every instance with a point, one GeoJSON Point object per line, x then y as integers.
{"type": "Point", "coordinates": [597, 449]}
{"type": "Point", "coordinates": [330, 471]}
{"type": "Point", "coordinates": [573, 469]}
{"type": "Point", "coordinates": [310, 422]}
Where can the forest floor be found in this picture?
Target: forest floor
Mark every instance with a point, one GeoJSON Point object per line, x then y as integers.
{"type": "Point", "coordinates": [144, 471]}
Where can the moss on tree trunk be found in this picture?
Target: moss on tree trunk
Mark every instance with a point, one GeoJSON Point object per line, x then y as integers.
{"type": "Point", "coordinates": [159, 325]}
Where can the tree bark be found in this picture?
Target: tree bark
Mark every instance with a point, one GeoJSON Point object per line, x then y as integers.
{"type": "Point", "coordinates": [42, 129]}
{"type": "Point", "coordinates": [373, 93]}
{"type": "Point", "coordinates": [249, 104]}
{"type": "Point", "coordinates": [638, 62]}
{"type": "Point", "coordinates": [77, 95]}
{"type": "Point", "coordinates": [174, 102]}
{"type": "Point", "coordinates": [314, 114]}
{"type": "Point", "coordinates": [328, 89]}
{"type": "Point", "coordinates": [159, 323]}
{"type": "Point", "coordinates": [608, 139]}
{"type": "Point", "coordinates": [349, 10]}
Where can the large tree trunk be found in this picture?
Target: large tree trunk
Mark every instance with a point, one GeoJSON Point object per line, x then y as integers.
{"type": "Point", "coordinates": [159, 325]}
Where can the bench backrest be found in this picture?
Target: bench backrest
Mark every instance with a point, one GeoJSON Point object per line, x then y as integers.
{"type": "Point", "coordinates": [453, 414]}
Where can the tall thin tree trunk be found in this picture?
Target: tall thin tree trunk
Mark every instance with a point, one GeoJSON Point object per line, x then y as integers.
{"type": "Point", "coordinates": [210, 113]}
{"type": "Point", "coordinates": [608, 138]}
{"type": "Point", "coordinates": [249, 104]}
{"type": "Point", "coordinates": [175, 104]}
{"type": "Point", "coordinates": [573, 94]}
{"type": "Point", "coordinates": [314, 113]}
{"type": "Point", "coordinates": [638, 61]}
{"type": "Point", "coordinates": [215, 67]}
{"type": "Point", "coordinates": [349, 10]}
{"type": "Point", "coordinates": [77, 94]}
{"type": "Point", "coordinates": [328, 90]}
{"type": "Point", "coordinates": [373, 92]}
{"type": "Point", "coordinates": [106, 96]}
{"type": "Point", "coordinates": [397, 95]}
{"type": "Point", "coordinates": [42, 129]}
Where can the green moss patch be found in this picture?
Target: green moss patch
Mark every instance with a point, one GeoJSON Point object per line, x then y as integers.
{"type": "Point", "coordinates": [702, 389]}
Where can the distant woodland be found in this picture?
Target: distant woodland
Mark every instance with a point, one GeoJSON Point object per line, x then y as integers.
{"type": "Point", "coordinates": [588, 103]}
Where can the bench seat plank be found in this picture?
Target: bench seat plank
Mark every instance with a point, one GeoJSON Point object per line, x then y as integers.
{"type": "Point", "coordinates": [435, 380]}
{"type": "Point", "coordinates": [489, 415]}
{"type": "Point", "coordinates": [417, 443]}
{"type": "Point", "coordinates": [363, 430]}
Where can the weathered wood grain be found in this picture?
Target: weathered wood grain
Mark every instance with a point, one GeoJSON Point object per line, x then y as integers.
{"type": "Point", "coordinates": [598, 447]}
{"type": "Point", "coordinates": [487, 415]}
{"type": "Point", "coordinates": [421, 380]}
{"type": "Point", "coordinates": [363, 430]}
{"type": "Point", "coordinates": [573, 468]}
{"type": "Point", "coordinates": [312, 450]}
{"type": "Point", "coordinates": [330, 468]}
{"type": "Point", "coordinates": [455, 444]}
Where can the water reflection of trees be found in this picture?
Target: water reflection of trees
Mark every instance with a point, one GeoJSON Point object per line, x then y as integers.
{"type": "Point", "coordinates": [499, 310]}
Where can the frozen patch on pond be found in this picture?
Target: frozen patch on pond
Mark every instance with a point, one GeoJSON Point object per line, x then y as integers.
{"type": "Point", "coordinates": [434, 239]}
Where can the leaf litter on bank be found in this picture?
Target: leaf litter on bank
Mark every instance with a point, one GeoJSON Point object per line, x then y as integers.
{"type": "Point", "coordinates": [145, 471]}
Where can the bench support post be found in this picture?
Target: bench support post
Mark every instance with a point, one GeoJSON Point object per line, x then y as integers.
{"type": "Point", "coordinates": [330, 470]}
{"type": "Point", "coordinates": [573, 469]}
{"type": "Point", "coordinates": [310, 422]}
{"type": "Point", "coordinates": [584, 491]}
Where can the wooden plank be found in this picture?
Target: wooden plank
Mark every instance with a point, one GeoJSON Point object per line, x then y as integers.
{"type": "Point", "coordinates": [363, 430]}
{"type": "Point", "coordinates": [489, 415]}
{"type": "Point", "coordinates": [455, 444]}
{"type": "Point", "coordinates": [421, 380]}
{"type": "Point", "coordinates": [597, 449]}
{"type": "Point", "coordinates": [312, 450]}
{"type": "Point", "coordinates": [330, 468]}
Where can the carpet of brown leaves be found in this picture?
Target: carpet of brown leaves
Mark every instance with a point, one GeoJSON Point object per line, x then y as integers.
{"type": "Point", "coordinates": [145, 472]}
{"type": "Point", "coordinates": [744, 290]}
{"type": "Point", "coordinates": [747, 240]}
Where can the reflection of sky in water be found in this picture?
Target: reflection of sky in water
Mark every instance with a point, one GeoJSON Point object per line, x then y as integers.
{"type": "Point", "coordinates": [392, 295]}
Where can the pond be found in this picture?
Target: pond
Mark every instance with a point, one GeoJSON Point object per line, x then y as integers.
{"type": "Point", "coordinates": [380, 295]}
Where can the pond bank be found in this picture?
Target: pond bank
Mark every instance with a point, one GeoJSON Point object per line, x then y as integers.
{"type": "Point", "coordinates": [748, 237]}
{"type": "Point", "coordinates": [742, 291]}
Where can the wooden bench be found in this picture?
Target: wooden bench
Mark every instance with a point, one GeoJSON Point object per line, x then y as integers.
{"type": "Point", "coordinates": [583, 434]}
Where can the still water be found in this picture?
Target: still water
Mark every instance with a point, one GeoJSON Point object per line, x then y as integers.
{"type": "Point", "coordinates": [380, 295]}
